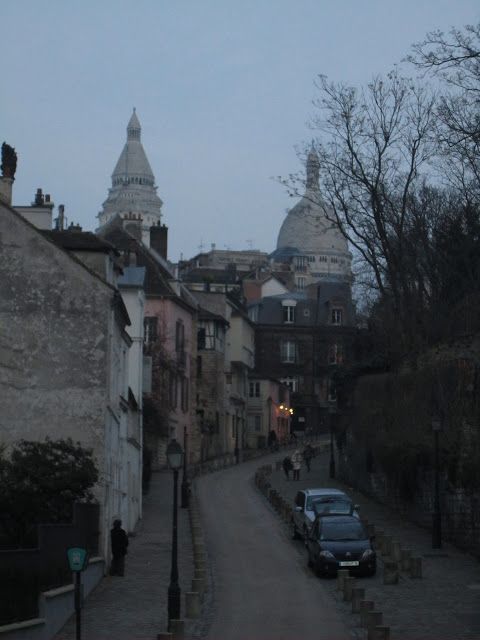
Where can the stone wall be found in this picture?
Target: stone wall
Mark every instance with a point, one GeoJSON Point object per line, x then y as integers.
{"type": "Point", "coordinates": [386, 445]}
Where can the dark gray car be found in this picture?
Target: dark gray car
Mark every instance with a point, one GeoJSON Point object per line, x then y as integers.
{"type": "Point", "coordinates": [340, 542]}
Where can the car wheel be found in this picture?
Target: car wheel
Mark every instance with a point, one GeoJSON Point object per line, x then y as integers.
{"type": "Point", "coordinates": [316, 569]}
{"type": "Point", "coordinates": [295, 534]}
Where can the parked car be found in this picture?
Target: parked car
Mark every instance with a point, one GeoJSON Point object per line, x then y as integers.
{"type": "Point", "coordinates": [340, 542]}
{"type": "Point", "coordinates": [303, 513]}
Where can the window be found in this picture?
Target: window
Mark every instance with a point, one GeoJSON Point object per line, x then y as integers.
{"type": "Point", "coordinates": [289, 314]}
{"type": "Point", "coordinates": [335, 354]}
{"type": "Point", "coordinates": [254, 389]}
{"type": "Point", "coordinates": [333, 259]}
{"type": "Point", "coordinates": [199, 366]}
{"type": "Point", "coordinates": [332, 391]}
{"type": "Point", "coordinates": [253, 313]}
{"type": "Point", "coordinates": [288, 351]}
{"type": "Point", "coordinates": [179, 336]}
{"type": "Point", "coordinates": [301, 282]}
{"type": "Point", "coordinates": [291, 383]}
{"type": "Point", "coordinates": [184, 394]}
{"type": "Point", "coordinates": [255, 423]}
{"type": "Point", "coordinates": [173, 389]}
{"type": "Point", "coordinates": [201, 338]}
{"type": "Point", "coordinates": [311, 258]}
{"type": "Point", "coordinates": [337, 316]}
{"type": "Point", "coordinates": [322, 259]}
{"type": "Point", "coordinates": [150, 329]}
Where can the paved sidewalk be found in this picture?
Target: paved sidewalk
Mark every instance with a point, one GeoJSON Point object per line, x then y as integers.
{"type": "Point", "coordinates": [444, 604]}
{"type": "Point", "coordinates": [135, 607]}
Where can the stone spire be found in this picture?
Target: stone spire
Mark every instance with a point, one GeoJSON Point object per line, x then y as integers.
{"type": "Point", "coordinates": [133, 193]}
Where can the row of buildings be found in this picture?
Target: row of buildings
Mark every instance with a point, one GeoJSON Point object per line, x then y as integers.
{"type": "Point", "coordinates": [103, 340]}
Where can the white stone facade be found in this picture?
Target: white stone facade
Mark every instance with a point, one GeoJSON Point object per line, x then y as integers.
{"type": "Point", "coordinates": [133, 190]}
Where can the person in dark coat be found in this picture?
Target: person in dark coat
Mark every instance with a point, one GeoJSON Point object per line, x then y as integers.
{"type": "Point", "coordinates": [119, 542]}
{"type": "Point", "coordinates": [287, 466]}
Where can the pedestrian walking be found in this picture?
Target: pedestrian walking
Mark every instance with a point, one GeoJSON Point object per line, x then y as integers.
{"type": "Point", "coordinates": [287, 466]}
{"type": "Point", "coordinates": [297, 464]}
{"type": "Point", "coordinates": [119, 542]}
{"type": "Point", "coordinates": [308, 455]}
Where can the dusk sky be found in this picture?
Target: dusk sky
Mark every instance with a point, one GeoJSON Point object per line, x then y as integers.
{"type": "Point", "coordinates": [223, 91]}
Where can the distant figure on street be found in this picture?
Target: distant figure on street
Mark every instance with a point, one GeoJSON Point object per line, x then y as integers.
{"type": "Point", "coordinates": [308, 454]}
{"type": "Point", "coordinates": [119, 542]}
{"type": "Point", "coordinates": [297, 464]}
{"type": "Point", "coordinates": [287, 466]}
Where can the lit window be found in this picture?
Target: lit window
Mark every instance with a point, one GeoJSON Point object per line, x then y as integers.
{"type": "Point", "coordinates": [291, 383]}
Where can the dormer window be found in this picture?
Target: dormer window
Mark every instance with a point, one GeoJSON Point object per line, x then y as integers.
{"type": "Point", "coordinates": [289, 311]}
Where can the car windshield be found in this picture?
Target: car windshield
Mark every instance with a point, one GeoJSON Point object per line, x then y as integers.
{"type": "Point", "coordinates": [312, 501]}
{"type": "Point", "coordinates": [332, 506]}
{"type": "Point", "coordinates": [337, 531]}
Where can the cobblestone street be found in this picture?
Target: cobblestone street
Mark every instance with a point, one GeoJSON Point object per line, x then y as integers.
{"type": "Point", "coordinates": [445, 603]}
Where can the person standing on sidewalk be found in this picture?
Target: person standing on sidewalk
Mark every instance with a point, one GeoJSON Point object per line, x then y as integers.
{"type": "Point", "coordinates": [119, 542]}
{"type": "Point", "coordinates": [297, 464]}
{"type": "Point", "coordinates": [308, 455]}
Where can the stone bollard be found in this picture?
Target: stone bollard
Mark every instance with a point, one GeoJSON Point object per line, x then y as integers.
{"type": "Point", "coordinates": [341, 575]}
{"type": "Point", "coordinates": [390, 572]}
{"type": "Point", "coordinates": [177, 628]}
{"type": "Point", "coordinates": [405, 561]}
{"type": "Point", "coordinates": [415, 567]}
{"type": "Point", "coordinates": [373, 619]}
{"type": "Point", "coordinates": [192, 604]}
{"type": "Point", "coordinates": [386, 545]}
{"type": "Point", "coordinates": [348, 586]}
{"type": "Point", "coordinates": [365, 607]}
{"type": "Point", "coordinates": [358, 594]}
{"type": "Point", "coordinates": [379, 633]}
{"type": "Point", "coordinates": [396, 551]}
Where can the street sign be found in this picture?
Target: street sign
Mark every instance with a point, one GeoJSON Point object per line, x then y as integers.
{"type": "Point", "coordinates": [77, 558]}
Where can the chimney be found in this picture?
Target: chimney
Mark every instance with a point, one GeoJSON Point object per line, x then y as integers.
{"type": "Point", "coordinates": [60, 221]}
{"type": "Point", "coordinates": [8, 167]}
{"type": "Point", "coordinates": [159, 239]}
{"type": "Point", "coordinates": [39, 200]}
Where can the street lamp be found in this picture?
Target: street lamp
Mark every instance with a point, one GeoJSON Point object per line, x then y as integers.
{"type": "Point", "coordinates": [185, 489]}
{"type": "Point", "coordinates": [175, 460]}
{"type": "Point", "coordinates": [437, 516]}
{"type": "Point", "coordinates": [331, 411]}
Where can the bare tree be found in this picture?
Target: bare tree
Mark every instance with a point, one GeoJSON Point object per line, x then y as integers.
{"type": "Point", "coordinates": [376, 142]}
{"type": "Point", "coordinates": [455, 59]}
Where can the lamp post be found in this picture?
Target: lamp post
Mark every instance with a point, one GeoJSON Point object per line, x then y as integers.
{"type": "Point", "coordinates": [185, 488]}
{"type": "Point", "coordinates": [175, 460]}
{"type": "Point", "coordinates": [331, 411]}
{"type": "Point", "coordinates": [437, 516]}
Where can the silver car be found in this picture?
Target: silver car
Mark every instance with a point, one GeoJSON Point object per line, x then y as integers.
{"type": "Point", "coordinates": [304, 511]}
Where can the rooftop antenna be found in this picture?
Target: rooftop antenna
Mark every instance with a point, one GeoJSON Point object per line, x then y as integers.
{"type": "Point", "coordinates": [200, 246]}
